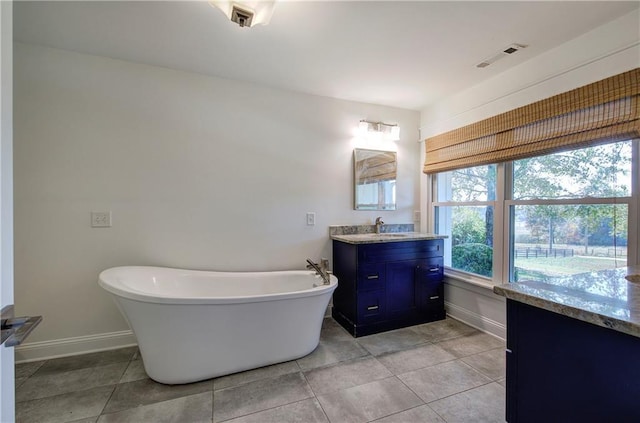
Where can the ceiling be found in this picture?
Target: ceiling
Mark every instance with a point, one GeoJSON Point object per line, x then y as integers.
{"type": "Point", "coordinates": [402, 54]}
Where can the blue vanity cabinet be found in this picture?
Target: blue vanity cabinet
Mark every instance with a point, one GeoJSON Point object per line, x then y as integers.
{"type": "Point", "coordinates": [561, 369]}
{"type": "Point", "coordinates": [384, 286]}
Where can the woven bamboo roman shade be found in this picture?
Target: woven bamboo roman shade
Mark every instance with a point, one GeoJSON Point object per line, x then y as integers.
{"type": "Point", "coordinates": [372, 166]}
{"type": "Point", "coordinates": [601, 112]}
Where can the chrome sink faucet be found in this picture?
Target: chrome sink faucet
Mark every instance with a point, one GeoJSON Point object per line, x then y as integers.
{"type": "Point", "coordinates": [379, 224]}
{"type": "Point", "coordinates": [322, 269]}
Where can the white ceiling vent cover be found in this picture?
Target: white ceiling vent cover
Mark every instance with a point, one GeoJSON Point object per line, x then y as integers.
{"type": "Point", "coordinates": [505, 52]}
{"type": "Point", "coordinates": [241, 16]}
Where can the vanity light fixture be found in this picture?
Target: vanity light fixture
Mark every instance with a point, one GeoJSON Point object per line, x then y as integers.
{"type": "Point", "coordinates": [246, 13]}
{"type": "Point", "coordinates": [387, 131]}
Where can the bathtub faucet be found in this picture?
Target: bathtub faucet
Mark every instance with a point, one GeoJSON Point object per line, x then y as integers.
{"type": "Point", "coordinates": [321, 269]}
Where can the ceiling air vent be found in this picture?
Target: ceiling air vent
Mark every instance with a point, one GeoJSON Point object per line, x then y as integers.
{"type": "Point", "coordinates": [506, 51]}
{"type": "Point", "coordinates": [242, 17]}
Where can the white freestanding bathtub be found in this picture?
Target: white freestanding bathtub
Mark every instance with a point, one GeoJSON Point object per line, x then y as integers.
{"type": "Point", "coordinates": [195, 325]}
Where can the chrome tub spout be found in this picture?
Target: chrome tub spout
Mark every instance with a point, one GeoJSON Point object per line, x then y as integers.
{"type": "Point", "coordinates": [321, 269]}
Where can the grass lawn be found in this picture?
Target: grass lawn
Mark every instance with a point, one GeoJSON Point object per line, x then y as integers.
{"type": "Point", "coordinates": [538, 268]}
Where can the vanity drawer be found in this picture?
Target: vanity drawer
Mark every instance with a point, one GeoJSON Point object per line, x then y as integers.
{"type": "Point", "coordinates": [432, 294]}
{"type": "Point", "coordinates": [430, 270]}
{"type": "Point", "coordinates": [371, 307]}
{"type": "Point", "coordinates": [371, 277]}
{"type": "Point", "coordinates": [394, 251]}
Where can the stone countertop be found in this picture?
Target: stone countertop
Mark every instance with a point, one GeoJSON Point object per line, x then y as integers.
{"type": "Point", "coordinates": [373, 238]}
{"type": "Point", "coordinates": [604, 298]}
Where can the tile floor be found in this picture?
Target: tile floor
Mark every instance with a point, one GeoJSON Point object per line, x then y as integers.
{"type": "Point", "coordinates": [437, 372]}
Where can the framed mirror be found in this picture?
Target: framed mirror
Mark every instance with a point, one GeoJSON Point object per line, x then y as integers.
{"type": "Point", "coordinates": [375, 179]}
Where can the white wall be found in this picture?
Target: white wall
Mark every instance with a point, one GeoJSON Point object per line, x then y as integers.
{"type": "Point", "coordinates": [198, 172]}
{"type": "Point", "coordinates": [605, 51]}
{"type": "Point", "coordinates": [7, 371]}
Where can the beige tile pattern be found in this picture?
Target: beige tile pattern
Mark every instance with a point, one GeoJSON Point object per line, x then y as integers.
{"type": "Point", "coordinates": [51, 384]}
{"type": "Point", "coordinates": [305, 411]}
{"type": "Point", "coordinates": [135, 371]}
{"type": "Point", "coordinates": [482, 404]}
{"type": "Point", "coordinates": [196, 408]}
{"type": "Point", "coordinates": [65, 407]}
{"type": "Point", "coordinates": [438, 372]}
{"type": "Point", "coordinates": [394, 340]}
{"type": "Point", "coordinates": [443, 330]}
{"type": "Point", "coordinates": [87, 420]}
{"type": "Point", "coordinates": [331, 352]}
{"type": "Point", "coordinates": [415, 358]}
{"type": "Point", "coordinates": [254, 375]}
{"type": "Point", "coordinates": [490, 363]}
{"type": "Point", "coordinates": [421, 414]}
{"type": "Point", "coordinates": [346, 374]}
{"type": "Point", "coordinates": [24, 370]}
{"type": "Point", "coordinates": [368, 402]}
{"type": "Point", "coordinates": [442, 380]}
{"type": "Point", "coordinates": [259, 395]}
{"type": "Point", "coordinates": [146, 391]}
{"type": "Point", "coordinates": [471, 344]}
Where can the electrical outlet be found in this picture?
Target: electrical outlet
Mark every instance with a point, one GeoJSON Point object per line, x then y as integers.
{"type": "Point", "coordinates": [311, 218]}
{"type": "Point", "coordinates": [101, 219]}
{"type": "Point", "coordinates": [416, 215]}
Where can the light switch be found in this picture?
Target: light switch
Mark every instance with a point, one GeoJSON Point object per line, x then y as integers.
{"type": "Point", "coordinates": [101, 219]}
{"type": "Point", "coordinates": [311, 218]}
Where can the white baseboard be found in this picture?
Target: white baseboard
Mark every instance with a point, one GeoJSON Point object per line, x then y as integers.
{"type": "Point", "coordinates": [479, 322]}
{"type": "Point", "coordinates": [45, 350]}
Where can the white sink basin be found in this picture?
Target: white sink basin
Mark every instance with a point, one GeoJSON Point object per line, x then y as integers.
{"type": "Point", "coordinates": [393, 235]}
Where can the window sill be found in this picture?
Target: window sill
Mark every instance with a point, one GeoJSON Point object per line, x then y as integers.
{"type": "Point", "coordinates": [469, 279]}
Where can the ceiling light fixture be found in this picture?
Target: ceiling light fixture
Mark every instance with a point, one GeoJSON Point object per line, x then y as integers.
{"type": "Point", "coordinates": [388, 131]}
{"type": "Point", "coordinates": [246, 13]}
{"type": "Point", "coordinates": [505, 52]}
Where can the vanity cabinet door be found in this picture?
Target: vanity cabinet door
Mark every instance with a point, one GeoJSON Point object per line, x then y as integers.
{"type": "Point", "coordinates": [402, 292]}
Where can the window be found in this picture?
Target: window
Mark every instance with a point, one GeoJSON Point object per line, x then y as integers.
{"type": "Point", "coordinates": [542, 217]}
{"type": "Point", "coordinates": [464, 210]}
{"type": "Point", "coordinates": [570, 212]}
{"type": "Point", "coordinates": [380, 195]}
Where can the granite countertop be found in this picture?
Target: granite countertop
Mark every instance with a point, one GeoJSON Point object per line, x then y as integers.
{"type": "Point", "coordinates": [373, 238]}
{"type": "Point", "coordinates": [604, 298]}
{"type": "Point", "coordinates": [366, 234]}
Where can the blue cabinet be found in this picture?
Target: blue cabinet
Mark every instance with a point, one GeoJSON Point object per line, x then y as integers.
{"type": "Point", "coordinates": [561, 369]}
{"type": "Point", "coordinates": [384, 286]}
